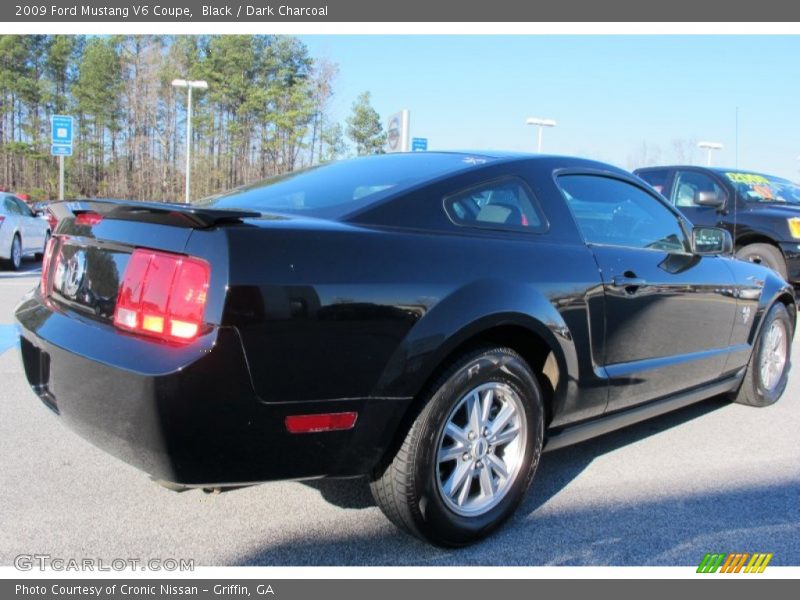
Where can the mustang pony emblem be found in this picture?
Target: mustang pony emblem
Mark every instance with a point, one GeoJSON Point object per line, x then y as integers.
{"type": "Point", "coordinates": [69, 276]}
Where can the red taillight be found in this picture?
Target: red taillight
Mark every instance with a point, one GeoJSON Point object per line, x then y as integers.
{"type": "Point", "coordinates": [88, 218]}
{"type": "Point", "coordinates": [321, 422]}
{"type": "Point", "coordinates": [163, 295]}
{"type": "Point", "coordinates": [47, 259]}
{"type": "Point", "coordinates": [52, 219]}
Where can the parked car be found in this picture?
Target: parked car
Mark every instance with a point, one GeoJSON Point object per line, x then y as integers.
{"type": "Point", "coordinates": [433, 321]}
{"type": "Point", "coordinates": [42, 210]}
{"type": "Point", "coordinates": [762, 212]}
{"type": "Point", "coordinates": [21, 232]}
{"type": "Point", "coordinates": [39, 207]}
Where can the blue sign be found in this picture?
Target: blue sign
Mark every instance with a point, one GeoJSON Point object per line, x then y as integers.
{"type": "Point", "coordinates": [61, 130]}
{"type": "Point", "coordinates": [419, 144]}
{"type": "Point", "coordinates": [60, 150]}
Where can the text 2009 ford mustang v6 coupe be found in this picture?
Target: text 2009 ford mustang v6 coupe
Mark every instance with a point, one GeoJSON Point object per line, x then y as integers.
{"type": "Point", "coordinates": [432, 320]}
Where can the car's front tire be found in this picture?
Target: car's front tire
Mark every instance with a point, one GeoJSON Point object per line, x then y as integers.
{"type": "Point", "coordinates": [470, 454]}
{"type": "Point", "coordinates": [764, 254]}
{"type": "Point", "coordinates": [768, 371]}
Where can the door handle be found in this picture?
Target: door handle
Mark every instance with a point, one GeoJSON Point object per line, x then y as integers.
{"type": "Point", "coordinates": [629, 281]}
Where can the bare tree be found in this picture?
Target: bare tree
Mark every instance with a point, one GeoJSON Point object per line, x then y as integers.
{"type": "Point", "coordinates": [684, 150]}
{"type": "Point", "coordinates": [644, 155]}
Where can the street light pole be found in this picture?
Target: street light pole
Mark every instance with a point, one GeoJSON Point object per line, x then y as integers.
{"type": "Point", "coordinates": [540, 123]}
{"type": "Point", "coordinates": [188, 144]}
{"type": "Point", "coordinates": [201, 85]}
{"type": "Point", "coordinates": [709, 147]}
{"type": "Point", "coordinates": [61, 177]}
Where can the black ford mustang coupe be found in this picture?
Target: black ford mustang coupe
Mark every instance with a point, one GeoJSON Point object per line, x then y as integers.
{"type": "Point", "coordinates": [432, 320]}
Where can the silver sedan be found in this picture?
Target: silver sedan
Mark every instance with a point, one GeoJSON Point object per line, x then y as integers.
{"type": "Point", "coordinates": [22, 233]}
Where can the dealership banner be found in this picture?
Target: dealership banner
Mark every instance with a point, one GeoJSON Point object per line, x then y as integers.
{"type": "Point", "coordinates": [185, 11]}
{"type": "Point", "coordinates": [398, 589]}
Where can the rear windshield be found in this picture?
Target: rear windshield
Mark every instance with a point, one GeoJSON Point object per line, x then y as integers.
{"type": "Point", "coordinates": [763, 188]}
{"type": "Point", "coordinates": [337, 189]}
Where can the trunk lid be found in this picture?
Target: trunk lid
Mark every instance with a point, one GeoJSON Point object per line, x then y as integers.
{"type": "Point", "coordinates": [95, 239]}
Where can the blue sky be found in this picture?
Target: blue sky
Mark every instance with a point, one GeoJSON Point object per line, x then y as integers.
{"type": "Point", "coordinates": [609, 94]}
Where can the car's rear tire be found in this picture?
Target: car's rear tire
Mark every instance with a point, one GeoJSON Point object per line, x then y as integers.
{"type": "Point", "coordinates": [768, 371]}
{"type": "Point", "coordinates": [14, 261]}
{"type": "Point", "coordinates": [40, 255]}
{"type": "Point", "coordinates": [470, 454]}
{"type": "Point", "coordinates": [764, 254]}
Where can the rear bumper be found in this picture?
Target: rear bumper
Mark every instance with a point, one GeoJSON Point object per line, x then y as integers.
{"type": "Point", "coordinates": [791, 252]}
{"type": "Point", "coordinates": [187, 415]}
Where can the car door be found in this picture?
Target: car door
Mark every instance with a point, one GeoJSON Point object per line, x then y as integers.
{"type": "Point", "coordinates": [32, 227]}
{"type": "Point", "coordinates": [6, 226]}
{"type": "Point", "coordinates": [668, 312]}
{"type": "Point", "coordinates": [687, 184]}
{"type": "Point", "coordinates": [11, 221]}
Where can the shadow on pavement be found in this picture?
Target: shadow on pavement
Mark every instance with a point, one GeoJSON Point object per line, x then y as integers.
{"type": "Point", "coordinates": [556, 469]}
{"type": "Point", "coordinates": [651, 532]}
{"type": "Point", "coordinates": [29, 268]}
{"type": "Point", "coordinates": [664, 530]}
{"type": "Point", "coordinates": [344, 493]}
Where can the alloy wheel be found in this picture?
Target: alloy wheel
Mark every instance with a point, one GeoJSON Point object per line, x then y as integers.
{"type": "Point", "coordinates": [481, 449]}
{"type": "Point", "coordinates": [773, 355]}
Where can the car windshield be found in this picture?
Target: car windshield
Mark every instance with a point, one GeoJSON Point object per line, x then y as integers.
{"type": "Point", "coordinates": [336, 189]}
{"type": "Point", "coordinates": [764, 188]}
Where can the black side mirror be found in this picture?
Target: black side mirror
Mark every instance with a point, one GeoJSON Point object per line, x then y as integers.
{"type": "Point", "coordinates": [708, 199]}
{"type": "Point", "coordinates": [711, 241]}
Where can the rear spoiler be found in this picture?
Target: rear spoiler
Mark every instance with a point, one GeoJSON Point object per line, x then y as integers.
{"type": "Point", "coordinates": [161, 213]}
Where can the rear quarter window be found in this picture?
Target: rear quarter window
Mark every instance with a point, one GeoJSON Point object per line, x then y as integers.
{"type": "Point", "coordinates": [505, 204]}
{"type": "Point", "coordinates": [657, 179]}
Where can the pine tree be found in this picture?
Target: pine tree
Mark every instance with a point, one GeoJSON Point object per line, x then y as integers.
{"type": "Point", "coordinates": [265, 112]}
{"type": "Point", "coordinates": [332, 143]}
{"type": "Point", "coordinates": [364, 127]}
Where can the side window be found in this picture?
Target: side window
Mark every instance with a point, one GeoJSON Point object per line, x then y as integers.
{"type": "Point", "coordinates": [10, 207]}
{"type": "Point", "coordinates": [22, 207]}
{"type": "Point", "coordinates": [688, 184]}
{"type": "Point", "coordinates": [501, 204]}
{"type": "Point", "coordinates": [613, 212]}
{"type": "Point", "coordinates": [657, 179]}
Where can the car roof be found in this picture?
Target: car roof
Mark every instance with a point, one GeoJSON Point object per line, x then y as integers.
{"type": "Point", "coordinates": [488, 153]}
{"type": "Point", "coordinates": [718, 170]}
{"type": "Point", "coordinates": [505, 156]}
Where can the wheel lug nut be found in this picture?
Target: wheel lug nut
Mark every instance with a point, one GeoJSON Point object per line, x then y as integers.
{"type": "Point", "coordinates": [471, 435]}
{"type": "Point", "coordinates": [485, 432]}
{"type": "Point", "coordinates": [479, 464]}
{"type": "Point", "coordinates": [466, 456]}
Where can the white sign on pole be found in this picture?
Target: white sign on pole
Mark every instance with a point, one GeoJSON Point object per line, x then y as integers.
{"type": "Point", "coordinates": [398, 132]}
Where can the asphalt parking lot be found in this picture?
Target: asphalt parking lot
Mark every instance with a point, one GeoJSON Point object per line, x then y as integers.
{"type": "Point", "coordinates": [714, 477]}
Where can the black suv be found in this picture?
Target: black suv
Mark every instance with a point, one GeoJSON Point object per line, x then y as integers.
{"type": "Point", "coordinates": [762, 212]}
